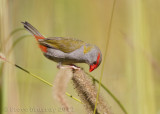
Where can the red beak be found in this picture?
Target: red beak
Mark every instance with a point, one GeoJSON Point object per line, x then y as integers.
{"type": "Point", "coordinates": [92, 67]}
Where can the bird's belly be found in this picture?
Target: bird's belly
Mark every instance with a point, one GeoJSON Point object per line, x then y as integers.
{"type": "Point", "coordinates": [65, 58]}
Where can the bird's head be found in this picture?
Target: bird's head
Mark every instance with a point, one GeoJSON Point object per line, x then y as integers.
{"type": "Point", "coordinates": [94, 59]}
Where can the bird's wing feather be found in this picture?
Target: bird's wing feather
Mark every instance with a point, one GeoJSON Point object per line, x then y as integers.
{"type": "Point", "coordinates": [66, 45]}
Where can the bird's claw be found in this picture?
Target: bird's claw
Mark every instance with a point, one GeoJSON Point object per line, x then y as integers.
{"type": "Point", "coordinates": [75, 67]}
{"type": "Point", "coordinates": [59, 66]}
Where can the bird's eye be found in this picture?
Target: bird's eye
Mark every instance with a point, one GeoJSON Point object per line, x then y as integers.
{"type": "Point", "coordinates": [95, 63]}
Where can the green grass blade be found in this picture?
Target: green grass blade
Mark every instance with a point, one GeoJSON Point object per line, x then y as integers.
{"type": "Point", "coordinates": [12, 33]}
{"type": "Point", "coordinates": [41, 79]}
{"type": "Point", "coordinates": [16, 42]}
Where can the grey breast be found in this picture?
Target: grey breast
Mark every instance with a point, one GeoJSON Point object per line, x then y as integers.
{"type": "Point", "coordinates": [76, 56]}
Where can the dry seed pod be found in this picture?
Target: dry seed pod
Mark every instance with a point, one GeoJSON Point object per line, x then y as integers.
{"type": "Point", "coordinates": [60, 84]}
{"type": "Point", "coordinates": [88, 93]}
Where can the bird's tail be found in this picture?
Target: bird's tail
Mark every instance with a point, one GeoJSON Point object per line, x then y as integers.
{"type": "Point", "coordinates": [32, 30]}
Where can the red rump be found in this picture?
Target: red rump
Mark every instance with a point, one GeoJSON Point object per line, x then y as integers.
{"type": "Point", "coordinates": [43, 48]}
{"type": "Point", "coordinates": [39, 37]}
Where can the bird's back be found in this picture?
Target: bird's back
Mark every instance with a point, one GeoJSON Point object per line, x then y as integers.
{"type": "Point", "coordinates": [66, 45]}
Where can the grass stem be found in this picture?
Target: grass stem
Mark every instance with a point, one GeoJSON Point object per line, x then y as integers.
{"type": "Point", "coordinates": [105, 54]}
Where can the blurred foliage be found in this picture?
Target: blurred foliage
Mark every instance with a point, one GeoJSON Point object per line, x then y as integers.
{"type": "Point", "coordinates": [132, 66]}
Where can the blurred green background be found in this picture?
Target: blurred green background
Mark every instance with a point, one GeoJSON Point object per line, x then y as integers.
{"type": "Point", "coordinates": [132, 68]}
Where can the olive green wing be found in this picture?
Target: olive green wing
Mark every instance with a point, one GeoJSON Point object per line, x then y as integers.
{"type": "Point", "coordinates": [66, 45]}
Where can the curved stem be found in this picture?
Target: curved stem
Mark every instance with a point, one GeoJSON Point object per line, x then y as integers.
{"type": "Point", "coordinates": [110, 93]}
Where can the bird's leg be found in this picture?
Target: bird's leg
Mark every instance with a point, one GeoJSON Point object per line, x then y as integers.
{"type": "Point", "coordinates": [59, 65]}
{"type": "Point", "coordinates": [74, 67]}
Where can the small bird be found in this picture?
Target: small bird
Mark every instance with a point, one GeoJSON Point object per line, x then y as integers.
{"type": "Point", "coordinates": [66, 51]}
